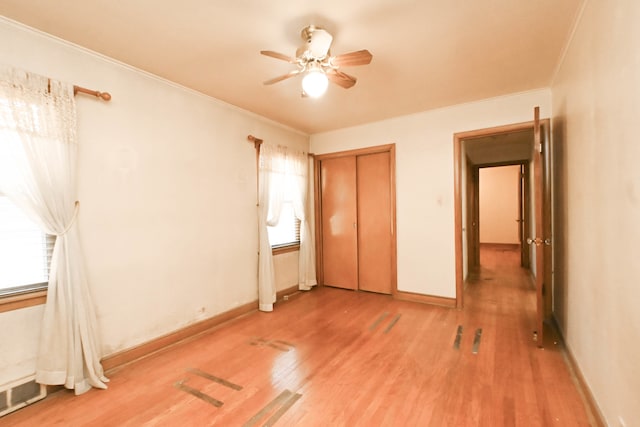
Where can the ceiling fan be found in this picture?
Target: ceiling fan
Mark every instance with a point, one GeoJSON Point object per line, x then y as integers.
{"type": "Point", "coordinates": [315, 62]}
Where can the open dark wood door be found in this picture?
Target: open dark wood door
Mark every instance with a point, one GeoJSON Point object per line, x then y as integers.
{"type": "Point", "coordinates": [473, 217]}
{"type": "Point", "coordinates": [537, 240]}
{"type": "Point", "coordinates": [547, 203]}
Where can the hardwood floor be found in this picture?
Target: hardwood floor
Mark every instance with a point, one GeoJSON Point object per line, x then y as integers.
{"type": "Point", "coordinates": [333, 357]}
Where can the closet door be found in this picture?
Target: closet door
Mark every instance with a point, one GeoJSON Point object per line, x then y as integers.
{"type": "Point", "coordinates": [339, 227]}
{"type": "Point", "coordinates": [374, 222]}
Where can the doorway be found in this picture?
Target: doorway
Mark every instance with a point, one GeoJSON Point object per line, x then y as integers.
{"type": "Point", "coordinates": [500, 146]}
{"type": "Point", "coordinates": [500, 206]}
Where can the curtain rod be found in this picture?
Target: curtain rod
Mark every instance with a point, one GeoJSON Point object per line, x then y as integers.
{"type": "Point", "coordinates": [105, 96]}
{"type": "Point", "coordinates": [258, 141]}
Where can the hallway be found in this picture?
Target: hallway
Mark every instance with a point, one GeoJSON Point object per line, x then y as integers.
{"type": "Point", "coordinates": [333, 357]}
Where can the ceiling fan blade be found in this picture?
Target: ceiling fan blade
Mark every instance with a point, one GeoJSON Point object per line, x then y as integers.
{"type": "Point", "coordinates": [360, 57]}
{"type": "Point", "coordinates": [341, 79]}
{"type": "Point", "coordinates": [282, 77]}
{"type": "Point", "coordinates": [279, 56]}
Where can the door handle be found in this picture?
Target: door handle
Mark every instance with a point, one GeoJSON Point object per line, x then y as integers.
{"type": "Point", "coordinates": [538, 241]}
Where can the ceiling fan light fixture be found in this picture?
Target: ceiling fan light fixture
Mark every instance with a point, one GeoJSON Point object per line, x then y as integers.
{"type": "Point", "coordinates": [314, 83]}
{"type": "Point", "coordinates": [316, 65]}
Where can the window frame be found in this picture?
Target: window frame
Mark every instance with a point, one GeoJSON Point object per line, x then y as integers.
{"type": "Point", "coordinates": [28, 298]}
{"type": "Point", "coordinates": [283, 249]}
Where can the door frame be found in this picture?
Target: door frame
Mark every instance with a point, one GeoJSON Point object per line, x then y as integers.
{"type": "Point", "coordinates": [458, 154]}
{"type": "Point", "coordinates": [318, 158]}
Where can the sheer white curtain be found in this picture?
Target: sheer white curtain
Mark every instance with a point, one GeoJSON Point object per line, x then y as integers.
{"type": "Point", "coordinates": [298, 175]}
{"type": "Point", "coordinates": [271, 195]}
{"type": "Point", "coordinates": [282, 171]}
{"type": "Point", "coordinates": [38, 173]}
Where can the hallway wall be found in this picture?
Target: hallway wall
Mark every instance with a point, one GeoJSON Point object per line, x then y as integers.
{"type": "Point", "coordinates": [499, 188]}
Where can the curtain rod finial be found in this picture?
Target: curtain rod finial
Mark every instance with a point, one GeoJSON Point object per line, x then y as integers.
{"type": "Point", "coordinates": [256, 141]}
{"type": "Point", "coordinates": [105, 96]}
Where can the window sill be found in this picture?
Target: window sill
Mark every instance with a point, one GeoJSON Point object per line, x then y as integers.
{"type": "Point", "coordinates": [16, 302]}
{"type": "Point", "coordinates": [284, 249]}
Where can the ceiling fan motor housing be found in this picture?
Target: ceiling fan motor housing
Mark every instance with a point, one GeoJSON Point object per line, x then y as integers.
{"type": "Point", "coordinates": [317, 43]}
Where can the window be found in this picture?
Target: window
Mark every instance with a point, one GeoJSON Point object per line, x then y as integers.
{"type": "Point", "coordinates": [287, 232]}
{"type": "Point", "coordinates": [25, 251]}
{"type": "Point", "coordinates": [282, 173]}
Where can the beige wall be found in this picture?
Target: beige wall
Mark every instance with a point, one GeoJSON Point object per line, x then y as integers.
{"type": "Point", "coordinates": [167, 189]}
{"type": "Point", "coordinates": [499, 188]}
{"type": "Point", "coordinates": [596, 105]}
{"type": "Point", "coordinates": [424, 178]}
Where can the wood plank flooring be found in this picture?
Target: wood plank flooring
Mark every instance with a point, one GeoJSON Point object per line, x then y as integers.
{"type": "Point", "coordinates": [333, 357]}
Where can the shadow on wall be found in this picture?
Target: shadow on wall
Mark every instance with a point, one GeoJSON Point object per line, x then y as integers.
{"type": "Point", "coordinates": [560, 226]}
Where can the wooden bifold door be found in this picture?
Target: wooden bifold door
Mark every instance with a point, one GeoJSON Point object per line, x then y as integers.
{"type": "Point", "coordinates": [356, 219]}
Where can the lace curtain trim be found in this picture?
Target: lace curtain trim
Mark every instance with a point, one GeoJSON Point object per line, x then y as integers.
{"type": "Point", "coordinates": [22, 91]}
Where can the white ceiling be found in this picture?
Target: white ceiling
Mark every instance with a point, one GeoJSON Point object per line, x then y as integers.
{"type": "Point", "coordinates": [426, 53]}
